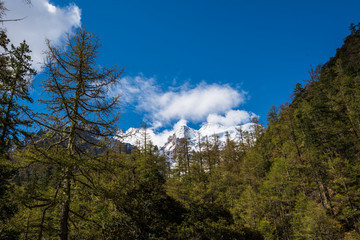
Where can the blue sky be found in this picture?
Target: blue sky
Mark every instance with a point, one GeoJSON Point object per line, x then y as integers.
{"type": "Point", "coordinates": [243, 55]}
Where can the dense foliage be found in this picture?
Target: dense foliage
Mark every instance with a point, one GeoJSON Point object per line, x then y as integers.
{"type": "Point", "coordinates": [298, 178]}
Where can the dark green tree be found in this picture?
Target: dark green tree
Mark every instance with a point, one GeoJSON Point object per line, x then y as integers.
{"type": "Point", "coordinates": [16, 74]}
{"type": "Point", "coordinates": [144, 210]}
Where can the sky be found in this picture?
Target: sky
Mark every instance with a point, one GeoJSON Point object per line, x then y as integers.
{"type": "Point", "coordinates": [198, 61]}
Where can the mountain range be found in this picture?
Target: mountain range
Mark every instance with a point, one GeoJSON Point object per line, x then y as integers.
{"type": "Point", "coordinates": [168, 140]}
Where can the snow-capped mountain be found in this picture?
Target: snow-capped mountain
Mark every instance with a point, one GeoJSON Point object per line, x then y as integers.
{"type": "Point", "coordinates": [168, 140]}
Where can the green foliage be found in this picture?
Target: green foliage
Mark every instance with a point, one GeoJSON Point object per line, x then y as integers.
{"type": "Point", "coordinates": [212, 221]}
{"type": "Point", "coordinates": [145, 211]}
{"type": "Point", "coordinates": [15, 76]}
{"type": "Point", "coordinates": [301, 179]}
{"type": "Point", "coordinates": [310, 221]}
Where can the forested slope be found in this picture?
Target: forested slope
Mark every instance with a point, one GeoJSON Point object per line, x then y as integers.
{"type": "Point", "coordinates": [304, 170]}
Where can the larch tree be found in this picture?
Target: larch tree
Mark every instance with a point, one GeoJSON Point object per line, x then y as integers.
{"type": "Point", "coordinates": [81, 118]}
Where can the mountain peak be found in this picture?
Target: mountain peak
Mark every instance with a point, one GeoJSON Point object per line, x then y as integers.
{"type": "Point", "coordinates": [168, 140]}
{"type": "Point", "coordinates": [184, 132]}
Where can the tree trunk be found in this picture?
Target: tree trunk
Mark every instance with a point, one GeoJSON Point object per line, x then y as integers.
{"type": "Point", "coordinates": [65, 210]}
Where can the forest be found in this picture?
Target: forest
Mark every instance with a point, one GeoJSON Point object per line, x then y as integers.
{"type": "Point", "coordinates": [64, 176]}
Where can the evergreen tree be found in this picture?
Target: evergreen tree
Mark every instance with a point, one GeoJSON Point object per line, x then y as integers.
{"type": "Point", "coordinates": [15, 76]}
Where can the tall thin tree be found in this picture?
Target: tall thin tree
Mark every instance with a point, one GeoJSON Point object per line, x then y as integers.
{"type": "Point", "coordinates": [15, 77]}
{"type": "Point", "coordinates": [82, 113]}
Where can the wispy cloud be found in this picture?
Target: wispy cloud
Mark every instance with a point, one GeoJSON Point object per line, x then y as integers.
{"type": "Point", "coordinates": [193, 104]}
{"type": "Point", "coordinates": [42, 20]}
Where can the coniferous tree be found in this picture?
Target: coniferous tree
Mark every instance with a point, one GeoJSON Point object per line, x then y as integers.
{"type": "Point", "coordinates": [15, 76]}
{"type": "Point", "coordinates": [81, 118]}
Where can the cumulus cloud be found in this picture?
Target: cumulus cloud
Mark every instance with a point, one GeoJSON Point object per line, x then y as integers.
{"type": "Point", "coordinates": [231, 118]}
{"type": "Point", "coordinates": [193, 104]}
{"type": "Point", "coordinates": [42, 20]}
{"type": "Point", "coordinates": [197, 103]}
{"type": "Point", "coordinates": [160, 138]}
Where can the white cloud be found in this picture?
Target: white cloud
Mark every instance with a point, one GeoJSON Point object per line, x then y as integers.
{"type": "Point", "coordinates": [231, 118]}
{"type": "Point", "coordinates": [42, 20]}
{"type": "Point", "coordinates": [180, 123]}
{"type": "Point", "coordinates": [159, 139]}
{"type": "Point", "coordinates": [193, 104]}
{"type": "Point", "coordinates": [135, 90]}
{"type": "Point", "coordinates": [51, 8]}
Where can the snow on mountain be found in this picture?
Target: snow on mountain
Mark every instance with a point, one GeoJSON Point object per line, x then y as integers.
{"type": "Point", "coordinates": [168, 140]}
{"type": "Point", "coordinates": [137, 136]}
{"type": "Point", "coordinates": [181, 130]}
